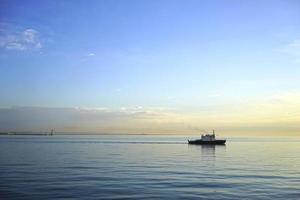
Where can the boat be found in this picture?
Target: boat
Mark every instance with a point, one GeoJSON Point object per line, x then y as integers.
{"type": "Point", "coordinates": [208, 139]}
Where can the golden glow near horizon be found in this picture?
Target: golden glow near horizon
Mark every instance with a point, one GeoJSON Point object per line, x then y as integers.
{"type": "Point", "coordinates": [277, 115]}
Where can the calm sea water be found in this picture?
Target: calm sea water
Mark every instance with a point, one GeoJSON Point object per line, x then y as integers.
{"type": "Point", "coordinates": [147, 167]}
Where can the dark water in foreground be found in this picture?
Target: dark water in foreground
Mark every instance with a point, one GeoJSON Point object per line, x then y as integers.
{"type": "Point", "coordinates": [147, 167]}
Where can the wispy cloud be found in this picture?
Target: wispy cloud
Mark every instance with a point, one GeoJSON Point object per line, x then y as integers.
{"type": "Point", "coordinates": [27, 39]}
{"type": "Point", "coordinates": [91, 54]}
{"type": "Point", "coordinates": [293, 49]}
{"type": "Point", "coordinates": [87, 56]}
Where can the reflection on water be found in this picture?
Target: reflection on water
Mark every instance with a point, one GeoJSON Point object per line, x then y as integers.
{"type": "Point", "coordinates": [146, 167]}
{"type": "Point", "coordinates": [208, 152]}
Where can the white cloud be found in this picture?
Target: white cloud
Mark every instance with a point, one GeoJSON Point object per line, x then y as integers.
{"type": "Point", "coordinates": [91, 54]}
{"type": "Point", "coordinates": [25, 40]}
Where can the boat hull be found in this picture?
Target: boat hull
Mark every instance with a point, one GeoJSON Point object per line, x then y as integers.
{"type": "Point", "coordinates": [215, 142]}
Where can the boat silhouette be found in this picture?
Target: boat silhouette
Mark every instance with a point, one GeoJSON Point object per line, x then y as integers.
{"type": "Point", "coordinates": [208, 139]}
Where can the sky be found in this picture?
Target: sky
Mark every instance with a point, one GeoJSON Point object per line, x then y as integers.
{"type": "Point", "coordinates": [151, 66]}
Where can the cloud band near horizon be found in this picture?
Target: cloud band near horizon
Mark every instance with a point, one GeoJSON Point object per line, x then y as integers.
{"type": "Point", "coordinates": [277, 116]}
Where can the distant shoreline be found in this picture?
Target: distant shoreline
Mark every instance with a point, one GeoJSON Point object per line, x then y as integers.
{"type": "Point", "coordinates": [14, 133]}
{"type": "Point", "coordinates": [62, 133]}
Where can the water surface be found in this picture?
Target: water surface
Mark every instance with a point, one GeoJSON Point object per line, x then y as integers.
{"type": "Point", "coordinates": [147, 167]}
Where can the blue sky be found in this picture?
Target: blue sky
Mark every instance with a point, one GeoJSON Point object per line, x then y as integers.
{"type": "Point", "coordinates": [171, 55]}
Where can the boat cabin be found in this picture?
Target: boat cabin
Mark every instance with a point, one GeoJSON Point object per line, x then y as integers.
{"type": "Point", "coordinates": [208, 137]}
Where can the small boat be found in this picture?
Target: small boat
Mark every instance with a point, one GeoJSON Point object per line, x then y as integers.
{"type": "Point", "coordinates": [208, 139]}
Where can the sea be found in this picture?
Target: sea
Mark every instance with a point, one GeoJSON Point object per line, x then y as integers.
{"type": "Point", "coordinates": [147, 167]}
